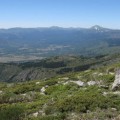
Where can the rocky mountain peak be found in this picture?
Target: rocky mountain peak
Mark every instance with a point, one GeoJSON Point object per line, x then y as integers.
{"type": "Point", "coordinates": [97, 27]}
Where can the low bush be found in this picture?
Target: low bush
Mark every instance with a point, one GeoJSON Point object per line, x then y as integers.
{"type": "Point", "coordinates": [83, 100]}
{"type": "Point", "coordinates": [12, 112]}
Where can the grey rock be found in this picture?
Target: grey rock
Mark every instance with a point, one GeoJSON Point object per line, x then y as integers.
{"type": "Point", "coordinates": [80, 83]}
{"type": "Point", "coordinates": [91, 83]}
{"type": "Point", "coordinates": [116, 83]}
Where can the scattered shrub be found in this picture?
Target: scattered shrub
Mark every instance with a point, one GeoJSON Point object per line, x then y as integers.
{"type": "Point", "coordinates": [12, 112]}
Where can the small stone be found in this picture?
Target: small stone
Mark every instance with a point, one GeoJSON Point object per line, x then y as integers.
{"type": "Point", "coordinates": [35, 114]}
{"type": "Point", "coordinates": [105, 93]}
{"type": "Point", "coordinates": [46, 86]}
{"type": "Point", "coordinates": [41, 112]}
{"type": "Point", "coordinates": [95, 73]}
{"type": "Point", "coordinates": [114, 109]}
{"type": "Point", "coordinates": [65, 83]}
{"type": "Point", "coordinates": [111, 73]}
{"type": "Point", "coordinates": [100, 74]}
{"type": "Point", "coordinates": [23, 94]}
{"type": "Point", "coordinates": [91, 83]}
{"type": "Point", "coordinates": [116, 93]}
{"type": "Point", "coordinates": [37, 83]}
{"type": "Point", "coordinates": [43, 89]}
{"type": "Point", "coordinates": [1, 92]}
{"type": "Point", "coordinates": [65, 78]}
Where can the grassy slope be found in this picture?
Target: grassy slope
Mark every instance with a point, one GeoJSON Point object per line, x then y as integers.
{"type": "Point", "coordinates": [63, 98]}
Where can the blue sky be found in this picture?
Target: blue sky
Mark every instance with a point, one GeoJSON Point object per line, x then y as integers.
{"type": "Point", "coordinates": [64, 13]}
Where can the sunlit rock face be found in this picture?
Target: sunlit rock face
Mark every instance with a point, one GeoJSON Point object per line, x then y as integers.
{"type": "Point", "coordinates": [116, 84]}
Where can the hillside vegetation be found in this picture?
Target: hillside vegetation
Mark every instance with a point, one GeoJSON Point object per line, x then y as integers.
{"type": "Point", "coordinates": [50, 67]}
{"type": "Point", "coordinates": [80, 88]}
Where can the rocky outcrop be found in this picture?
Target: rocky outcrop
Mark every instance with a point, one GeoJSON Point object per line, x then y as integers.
{"type": "Point", "coordinates": [80, 83]}
{"type": "Point", "coordinates": [43, 90]}
{"type": "Point", "coordinates": [116, 84]}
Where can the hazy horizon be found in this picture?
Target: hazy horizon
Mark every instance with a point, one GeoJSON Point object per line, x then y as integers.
{"type": "Point", "coordinates": [62, 27]}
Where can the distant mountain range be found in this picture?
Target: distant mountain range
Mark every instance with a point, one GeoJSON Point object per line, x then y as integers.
{"type": "Point", "coordinates": [18, 44]}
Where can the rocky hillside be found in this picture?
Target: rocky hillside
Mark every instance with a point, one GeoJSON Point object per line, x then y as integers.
{"type": "Point", "coordinates": [87, 94]}
{"type": "Point", "coordinates": [50, 67]}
